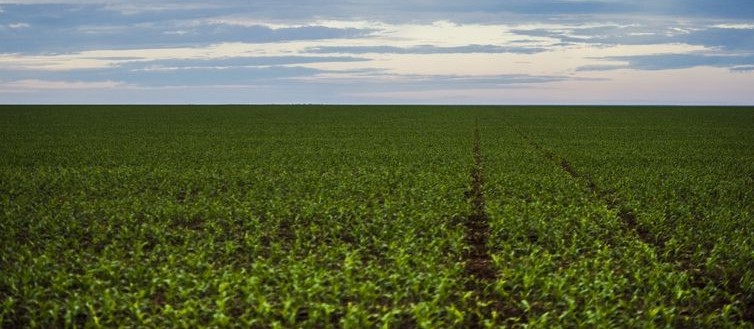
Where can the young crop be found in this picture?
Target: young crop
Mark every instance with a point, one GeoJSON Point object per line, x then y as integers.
{"type": "Point", "coordinates": [390, 217]}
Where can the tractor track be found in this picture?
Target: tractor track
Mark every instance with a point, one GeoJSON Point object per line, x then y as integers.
{"type": "Point", "coordinates": [477, 258]}
{"type": "Point", "coordinates": [697, 279]}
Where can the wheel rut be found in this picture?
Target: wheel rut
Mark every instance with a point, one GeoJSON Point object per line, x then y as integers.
{"type": "Point", "coordinates": [697, 279]}
{"type": "Point", "coordinates": [626, 217]}
{"type": "Point", "coordinates": [477, 258]}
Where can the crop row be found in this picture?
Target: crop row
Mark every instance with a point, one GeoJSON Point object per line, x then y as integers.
{"type": "Point", "coordinates": [255, 220]}
{"type": "Point", "coordinates": [327, 216]}
{"type": "Point", "coordinates": [683, 175]}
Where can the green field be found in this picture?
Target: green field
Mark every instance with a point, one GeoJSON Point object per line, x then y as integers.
{"type": "Point", "coordinates": [376, 216]}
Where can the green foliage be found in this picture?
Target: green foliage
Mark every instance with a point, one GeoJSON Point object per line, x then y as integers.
{"type": "Point", "coordinates": [353, 217]}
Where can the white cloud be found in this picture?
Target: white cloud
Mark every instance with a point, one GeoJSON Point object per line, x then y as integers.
{"type": "Point", "coordinates": [639, 34]}
{"type": "Point", "coordinates": [558, 60]}
{"type": "Point", "coordinates": [95, 59]}
{"type": "Point", "coordinates": [177, 32]}
{"type": "Point", "coordinates": [19, 25]}
{"type": "Point", "coordinates": [33, 84]}
{"type": "Point", "coordinates": [735, 26]}
{"type": "Point", "coordinates": [249, 22]}
{"type": "Point", "coordinates": [385, 68]}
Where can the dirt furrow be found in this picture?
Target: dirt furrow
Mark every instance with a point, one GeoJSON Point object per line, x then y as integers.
{"type": "Point", "coordinates": [478, 260]}
{"type": "Point", "coordinates": [479, 266]}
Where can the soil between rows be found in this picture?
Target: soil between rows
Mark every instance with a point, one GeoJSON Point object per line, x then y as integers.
{"type": "Point", "coordinates": [478, 261]}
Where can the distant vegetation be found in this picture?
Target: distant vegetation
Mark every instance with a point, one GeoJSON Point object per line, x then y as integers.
{"type": "Point", "coordinates": [366, 216]}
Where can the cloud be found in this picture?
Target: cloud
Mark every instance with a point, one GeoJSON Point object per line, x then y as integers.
{"type": "Point", "coordinates": [430, 81]}
{"type": "Point", "coordinates": [33, 84]}
{"type": "Point", "coordinates": [743, 68]}
{"type": "Point", "coordinates": [68, 28]}
{"type": "Point", "coordinates": [239, 62]}
{"type": "Point", "coordinates": [740, 26]}
{"type": "Point", "coordinates": [601, 67]}
{"type": "Point", "coordinates": [731, 37]}
{"type": "Point", "coordinates": [18, 25]}
{"type": "Point", "coordinates": [207, 76]}
{"type": "Point", "coordinates": [314, 50]}
{"type": "Point", "coordinates": [672, 62]}
{"type": "Point", "coordinates": [232, 54]}
{"type": "Point", "coordinates": [166, 72]}
{"type": "Point", "coordinates": [193, 73]}
{"type": "Point", "coordinates": [426, 49]}
{"type": "Point", "coordinates": [127, 37]}
{"type": "Point", "coordinates": [423, 10]}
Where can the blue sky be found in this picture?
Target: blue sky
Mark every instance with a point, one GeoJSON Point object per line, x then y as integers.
{"type": "Point", "coordinates": [366, 51]}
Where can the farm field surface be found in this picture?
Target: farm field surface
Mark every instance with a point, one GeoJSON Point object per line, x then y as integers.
{"type": "Point", "coordinates": [376, 216]}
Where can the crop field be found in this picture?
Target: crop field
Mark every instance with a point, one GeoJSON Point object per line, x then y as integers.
{"type": "Point", "coordinates": [376, 216]}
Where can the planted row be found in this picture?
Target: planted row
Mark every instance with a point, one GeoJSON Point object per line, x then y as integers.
{"type": "Point", "coordinates": [261, 218]}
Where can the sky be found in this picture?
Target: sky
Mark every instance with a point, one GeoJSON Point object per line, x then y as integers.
{"type": "Point", "coordinates": [696, 52]}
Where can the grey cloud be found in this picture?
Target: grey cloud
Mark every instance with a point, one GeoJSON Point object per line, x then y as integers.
{"type": "Point", "coordinates": [673, 61]}
{"type": "Point", "coordinates": [426, 49]}
{"type": "Point", "coordinates": [744, 68]}
{"type": "Point", "coordinates": [210, 76]}
{"type": "Point", "coordinates": [728, 39]}
{"type": "Point", "coordinates": [415, 82]}
{"type": "Point", "coordinates": [68, 28]}
{"type": "Point", "coordinates": [189, 72]}
{"type": "Point", "coordinates": [262, 85]}
{"type": "Point", "coordinates": [413, 11]}
{"type": "Point", "coordinates": [194, 76]}
{"type": "Point", "coordinates": [62, 41]}
{"type": "Point", "coordinates": [598, 67]}
{"type": "Point", "coordinates": [243, 61]}
{"type": "Point", "coordinates": [601, 35]}
{"type": "Point", "coordinates": [502, 79]}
